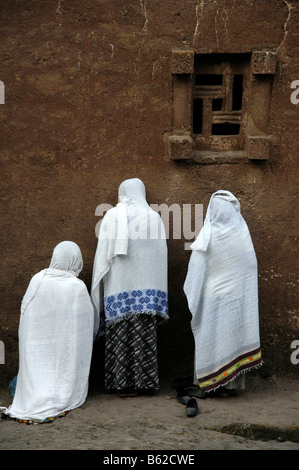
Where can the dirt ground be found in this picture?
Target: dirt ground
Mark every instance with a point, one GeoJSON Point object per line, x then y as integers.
{"type": "Point", "coordinates": [265, 416]}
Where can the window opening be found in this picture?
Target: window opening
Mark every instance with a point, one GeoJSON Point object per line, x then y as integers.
{"type": "Point", "coordinates": [225, 128]}
{"type": "Point", "coordinates": [237, 92]}
{"type": "Point", "coordinates": [219, 101]}
{"type": "Point", "coordinates": [208, 79]}
{"type": "Point", "coordinates": [197, 115]}
{"type": "Point", "coordinates": [217, 104]}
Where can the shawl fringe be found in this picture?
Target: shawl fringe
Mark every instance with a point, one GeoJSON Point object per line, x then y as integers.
{"type": "Point", "coordinates": [233, 378]}
{"type": "Point", "coordinates": [223, 383]}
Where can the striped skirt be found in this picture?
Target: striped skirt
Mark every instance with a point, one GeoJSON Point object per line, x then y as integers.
{"type": "Point", "coordinates": [131, 361]}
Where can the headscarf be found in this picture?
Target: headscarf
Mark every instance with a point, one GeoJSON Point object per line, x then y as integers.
{"type": "Point", "coordinates": [66, 258]}
{"type": "Point", "coordinates": [223, 211]}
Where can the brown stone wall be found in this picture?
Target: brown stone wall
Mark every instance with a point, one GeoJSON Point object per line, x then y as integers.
{"type": "Point", "coordinates": [89, 102]}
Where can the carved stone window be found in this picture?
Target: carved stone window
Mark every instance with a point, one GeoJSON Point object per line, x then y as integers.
{"type": "Point", "coordinates": [221, 106]}
{"type": "Point", "coordinates": [219, 102]}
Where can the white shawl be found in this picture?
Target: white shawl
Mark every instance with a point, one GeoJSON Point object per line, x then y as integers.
{"type": "Point", "coordinates": [130, 265]}
{"type": "Point", "coordinates": [55, 340]}
{"type": "Point", "coordinates": [222, 292]}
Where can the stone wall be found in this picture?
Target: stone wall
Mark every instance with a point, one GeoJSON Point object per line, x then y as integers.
{"type": "Point", "coordinates": [90, 100]}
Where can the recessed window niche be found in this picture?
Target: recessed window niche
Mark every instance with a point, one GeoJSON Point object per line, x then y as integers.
{"type": "Point", "coordinates": [221, 106]}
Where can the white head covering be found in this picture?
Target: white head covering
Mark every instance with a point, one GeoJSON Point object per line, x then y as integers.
{"type": "Point", "coordinates": [222, 294]}
{"type": "Point", "coordinates": [202, 241]}
{"type": "Point", "coordinates": [67, 257]}
{"type": "Point", "coordinates": [132, 190]}
{"type": "Point", "coordinates": [55, 339]}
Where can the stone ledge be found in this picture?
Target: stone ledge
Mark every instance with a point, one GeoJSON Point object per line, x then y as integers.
{"type": "Point", "coordinates": [214, 158]}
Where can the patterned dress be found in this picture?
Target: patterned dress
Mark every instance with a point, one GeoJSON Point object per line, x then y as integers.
{"type": "Point", "coordinates": [131, 361]}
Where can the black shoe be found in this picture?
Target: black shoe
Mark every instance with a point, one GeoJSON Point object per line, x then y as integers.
{"type": "Point", "coordinates": [191, 408]}
{"type": "Point", "coordinates": [182, 395]}
{"type": "Point", "coordinates": [196, 392]}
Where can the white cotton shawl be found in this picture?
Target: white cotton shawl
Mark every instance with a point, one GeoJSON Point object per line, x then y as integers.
{"type": "Point", "coordinates": [131, 256]}
{"type": "Point", "coordinates": [55, 340]}
{"type": "Point", "coordinates": [222, 293]}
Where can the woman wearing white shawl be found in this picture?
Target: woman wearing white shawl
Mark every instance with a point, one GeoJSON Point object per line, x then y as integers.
{"type": "Point", "coordinates": [222, 292]}
{"type": "Point", "coordinates": [129, 289]}
{"type": "Point", "coordinates": [55, 340]}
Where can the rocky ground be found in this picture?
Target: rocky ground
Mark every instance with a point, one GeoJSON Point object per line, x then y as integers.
{"type": "Point", "coordinates": [263, 417]}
